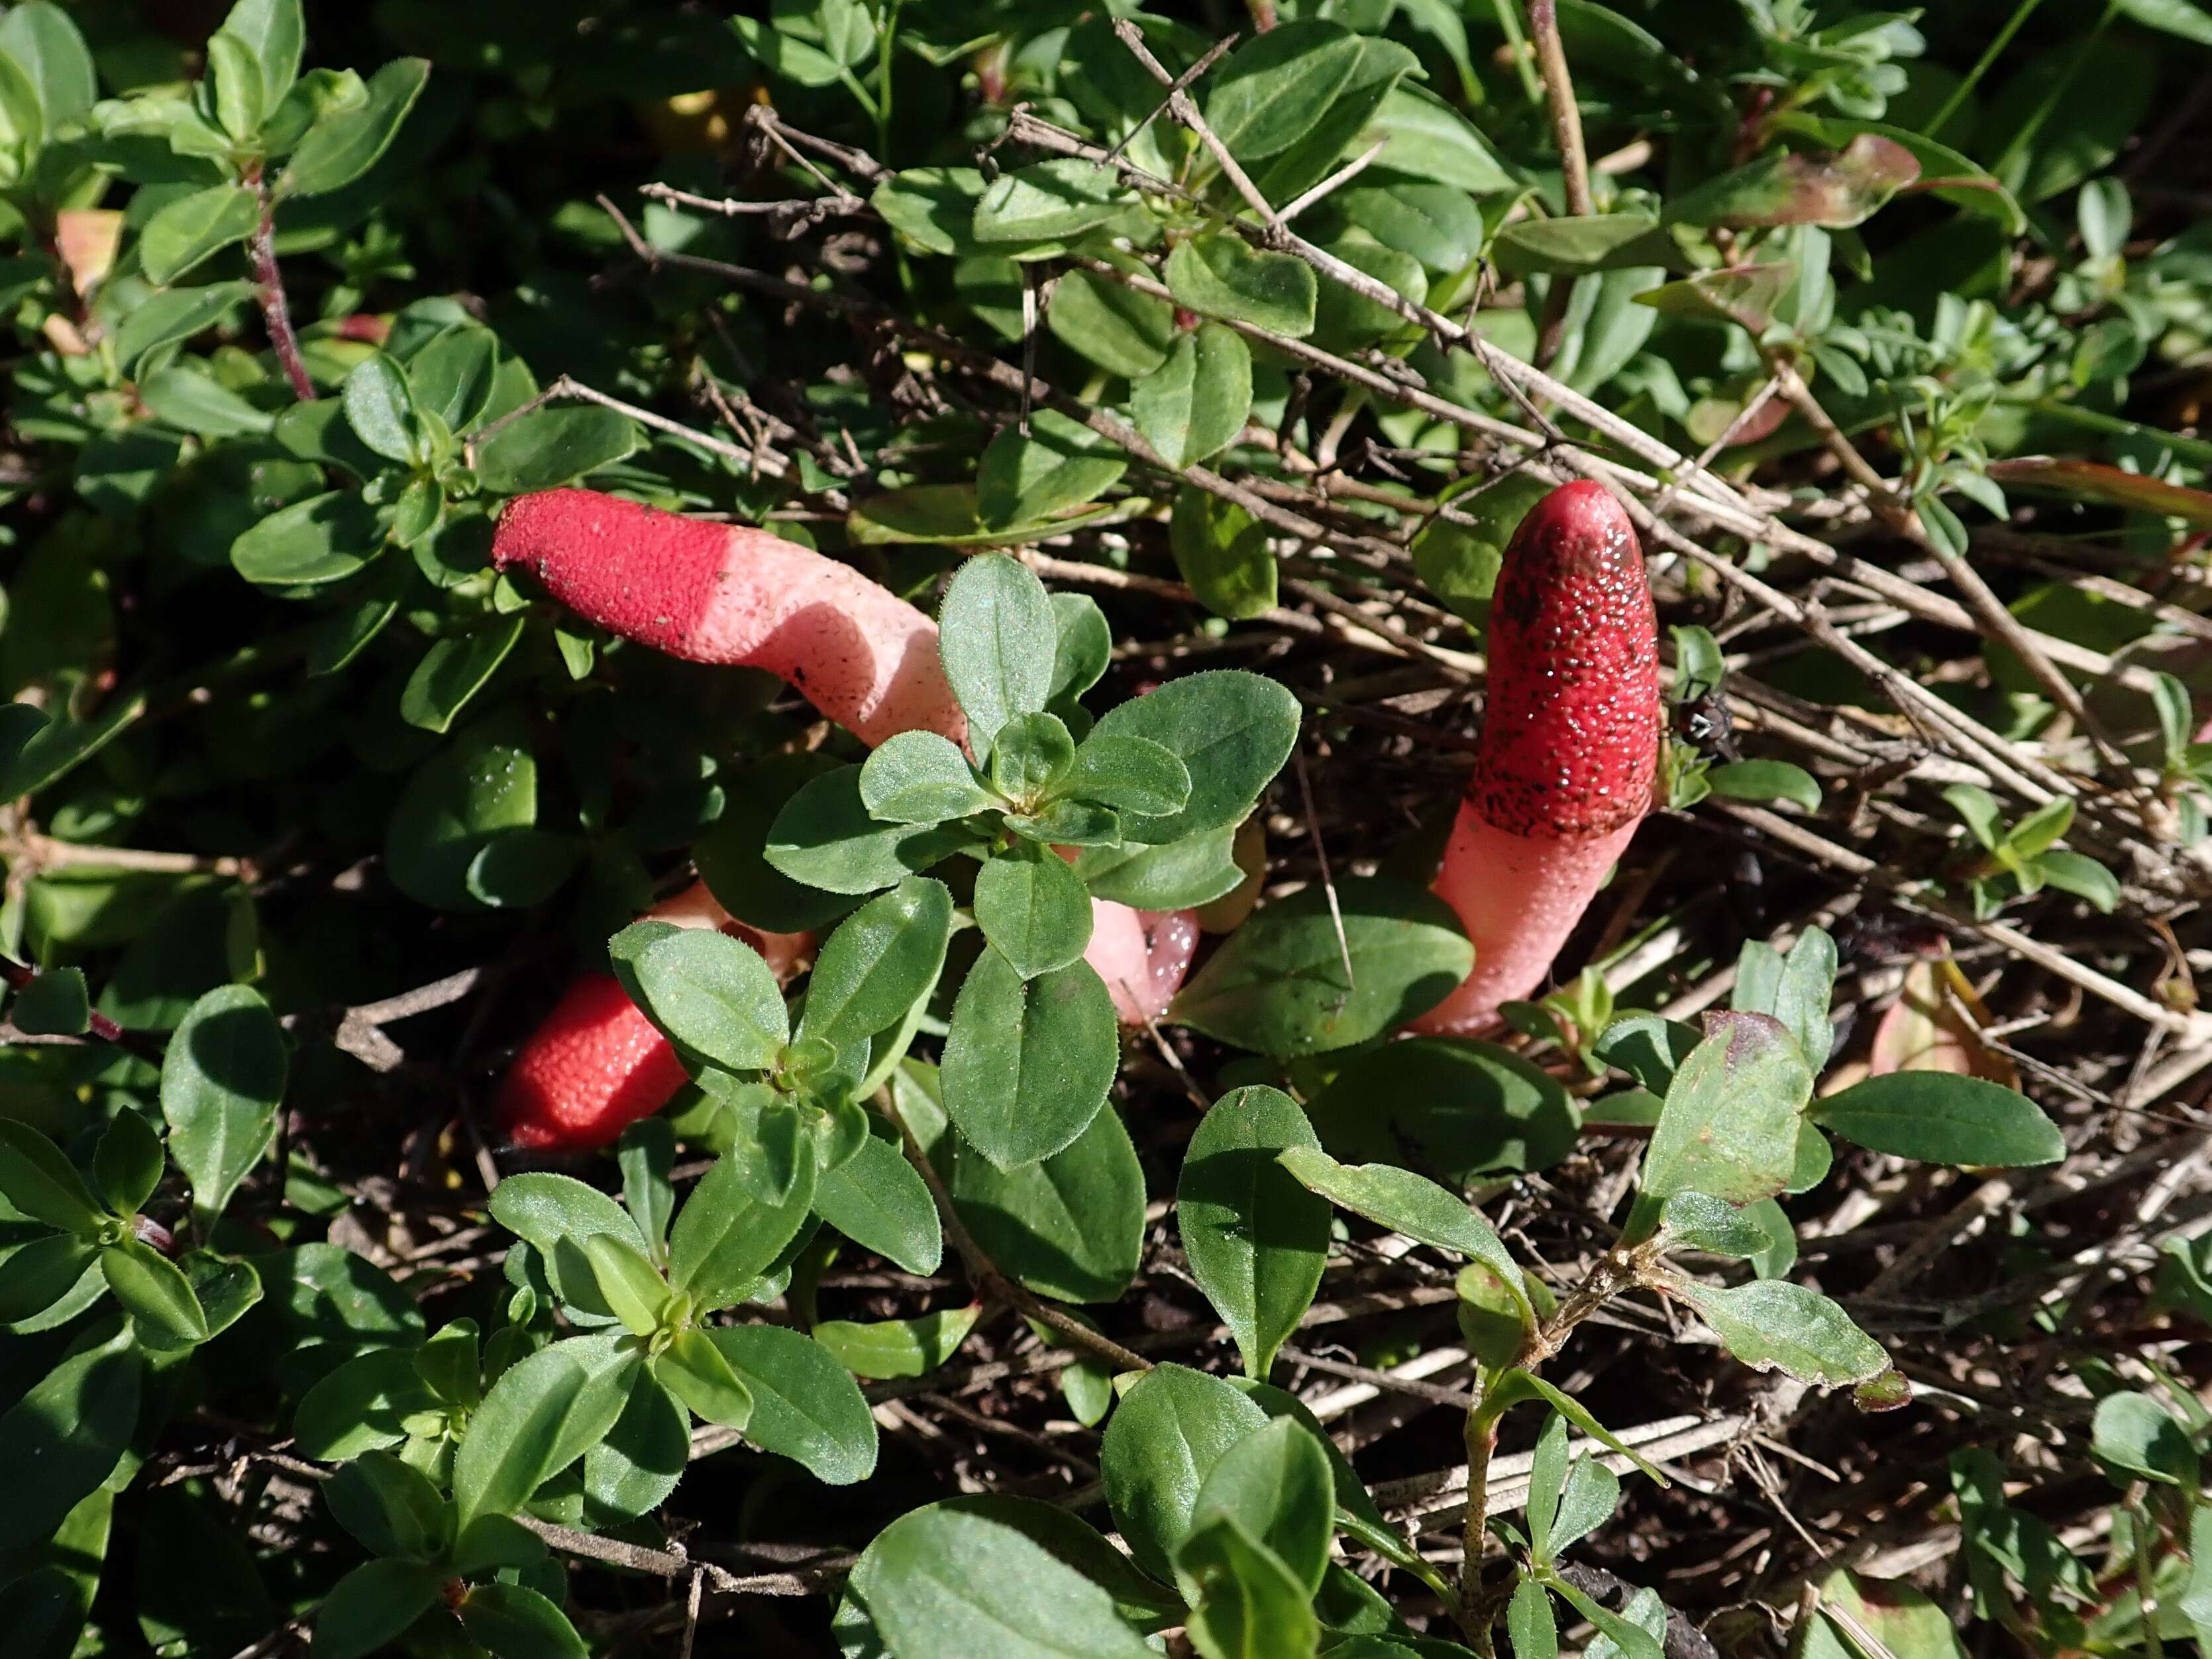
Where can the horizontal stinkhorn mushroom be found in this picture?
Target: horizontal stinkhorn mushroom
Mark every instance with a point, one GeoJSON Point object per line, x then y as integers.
{"type": "Point", "coordinates": [596, 1065]}
{"type": "Point", "coordinates": [733, 595]}
{"type": "Point", "coordinates": [1569, 751]}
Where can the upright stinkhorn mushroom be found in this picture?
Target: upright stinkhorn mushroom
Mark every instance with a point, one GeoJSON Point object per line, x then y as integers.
{"type": "Point", "coordinates": [1568, 750]}
{"type": "Point", "coordinates": [735, 596]}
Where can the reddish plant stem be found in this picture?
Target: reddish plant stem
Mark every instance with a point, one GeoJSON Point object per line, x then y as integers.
{"type": "Point", "coordinates": [276, 313]}
{"type": "Point", "coordinates": [17, 975]}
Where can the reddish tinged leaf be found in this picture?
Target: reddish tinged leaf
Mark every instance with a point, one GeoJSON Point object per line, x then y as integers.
{"type": "Point", "coordinates": [1935, 1025]}
{"type": "Point", "coordinates": [1837, 188]}
{"type": "Point", "coordinates": [1746, 295]}
{"type": "Point", "coordinates": [2114, 486]}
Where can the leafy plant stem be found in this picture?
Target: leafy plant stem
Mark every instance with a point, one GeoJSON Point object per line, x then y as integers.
{"type": "Point", "coordinates": [1965, 90]}
{"type": "Point", "coordinates": [2061, 85]}
{"type": "Point", "coordinates": [1473, 1610]}
{"type": "Point", "coordinates": [144, 1044]}
{"type": "Point", "coordinates": [1574, 159]}
{"type": "Point", "coordinates": [883, 47]}
{"type": "Point", "coordinates": [1510, 20]}
{"type": "Point", "coordinates": [276, 313]}
{"type": "Point", "coordinates": [985, 1274]}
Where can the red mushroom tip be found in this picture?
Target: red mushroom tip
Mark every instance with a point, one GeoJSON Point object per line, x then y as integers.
{"type": "Point", "coordinates": [1569, 747]}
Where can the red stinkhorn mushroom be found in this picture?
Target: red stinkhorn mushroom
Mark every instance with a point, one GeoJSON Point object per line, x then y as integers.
{"type": "Point", "coordinates": [1568, 750]}
{"type": "Point", "coordinates": [730, 594]}
{"type": "Point", "coordinates": [596, 1065]}
{"type": "Point", "coordinates": [734, 595]}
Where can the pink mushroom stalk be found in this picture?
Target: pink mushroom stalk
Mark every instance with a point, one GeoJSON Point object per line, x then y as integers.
{"type": "Point", "coordinates": [740, 596]}
{"type": "Point", "coordinates": [1570, 747]}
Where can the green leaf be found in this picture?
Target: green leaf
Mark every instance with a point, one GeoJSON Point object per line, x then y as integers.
{"type": "Point", "coordinates": [1222, 552]}
{"type": "Point", "coordinates": [1070, 1226]}
{"type": "Point", "coordinates": [1427, 139]}
{"type": "Point", "coordinates": [1246, 1602]}
{"type": "Point", "coordinates": [222, 1084]}
{"type": "Point", "coordinates": [881, 961]}
{"type": "Point", "coordinates": [43, 43]}
{"type": "Point", "coordinates": [1939, 1118]}
{"type": "Point", "coordinates": [310, 543]}
{"type": "Point", "coordinates": [1412, 1204]}
{"type": "Point", "coordinates": [1530, 1623]}
{"type": "Point", "coordinates": [62, 1438]}
{"type": "Point", "coordinates": [1133, 775]}
{"type": "Point", "coordinates": [1048, 203]}
{"type": "Point", "coordinates": [47, 750]}
{"type": "Point", "coordinates": [346, 143]}
{"type": "Point", "coordinates": [2134, 1436]}
{"type": "Point", "coordinates": [549, 447]}
{"type": "Point", "coordinates": [998, 639]}
{"type": "Point", "coordinates": [945, 1584]}
{"type": "Point", "coordinates": [1796, 990]}
{"type": "Point", "coordinates": [1033, 478]}
{"type": "Point", "coordinates": [543, 1415]}
{"type": "Point", "coordinates": [1218, 276]}
{"type": "Point", "coordinates": [878, 1200]}
{"type": "Point", "coordinates": [1773, 1325]}
{"type": "Point", "coordinates": [693, 1369]}
{"type": "Point", "coordinates": [37, 1275]}
{"type": "Point", "coordinates": [1165, 1437]}
{"type": "Point", "coordinates": [1696, 1220]}
{"type": "Point", "coordinates": [920, 777]}
{"type": "Point", "coordinates": [274, 34]}
{"type": "Point", "coordinates": [1232, 731]}
{"type": "Point", "coordinates": [362, 1405]}
{"type": "Point", "coordinates": [1028, 1061]}
{"type": "Point", "coordinates": [554, 1214]}
{"type": "Point", "coordinates": [934, 207]}
{"type": "Point", "coordinates": [1278, 1486]}
{"type": "Point", "coordinates": [373, 1605]}
{"type": "Point", "coordinates": [1029, 757]}
{"type": "Point", "coordinates": [1121, 330]}
{"type": "Point", "coordinates": [455, 376]}
{"type": "Point", "coordinates": [1177, 875]}
{"type": "Point", "coordinates": [1256, 1239]}
{"type": "Point", "coordinates": [454, 670]}
{"type": "Point", "coordinates": [825, 838]}
{"type": "Point", "coordinates": [891, 1348]}
{"type": "Point", "coordinates": [805, 1404]}
{"type": "Point", "coordinates": [1465, 1109]}
{"type": "Point", "coordinates": [195, 402]}
{"type": "Point", "coordinates": [516, 1622]}
{"type": "Point", "coordinates": [389, 1507]}
{"type": "Point", "coordinates": [628, 1283]}
{"type": "Point", "coordinates": [727, 1236]}
{"type": "Point", "coordinates": [1195, 404]}
{"type": "Point", "coordinates": [1730, 1123]}
{"type": "Point", "coordinates": [1766, 780]}
{"type": "Point", "coordinates": [54, 1004]}
{"type": "Point", "coordinates": [381, 408]}
{"type": "Point", "coordinates": [155, 1293]}
{"type": "Point", "coordinates": [176, 314]}
{"type": "Point", "coordinates": [715, 996]}
{"type": "Point", "coordinates": [1277, 85]}
{"type": "Point", "coordinates": [193, 227]}
{"type": "Point", "coordinates": [2082, 876]}
{"type": "Point", "coordinates": [1280, 985]}
{"type": "Point", "coordinates": [1034, 910]}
